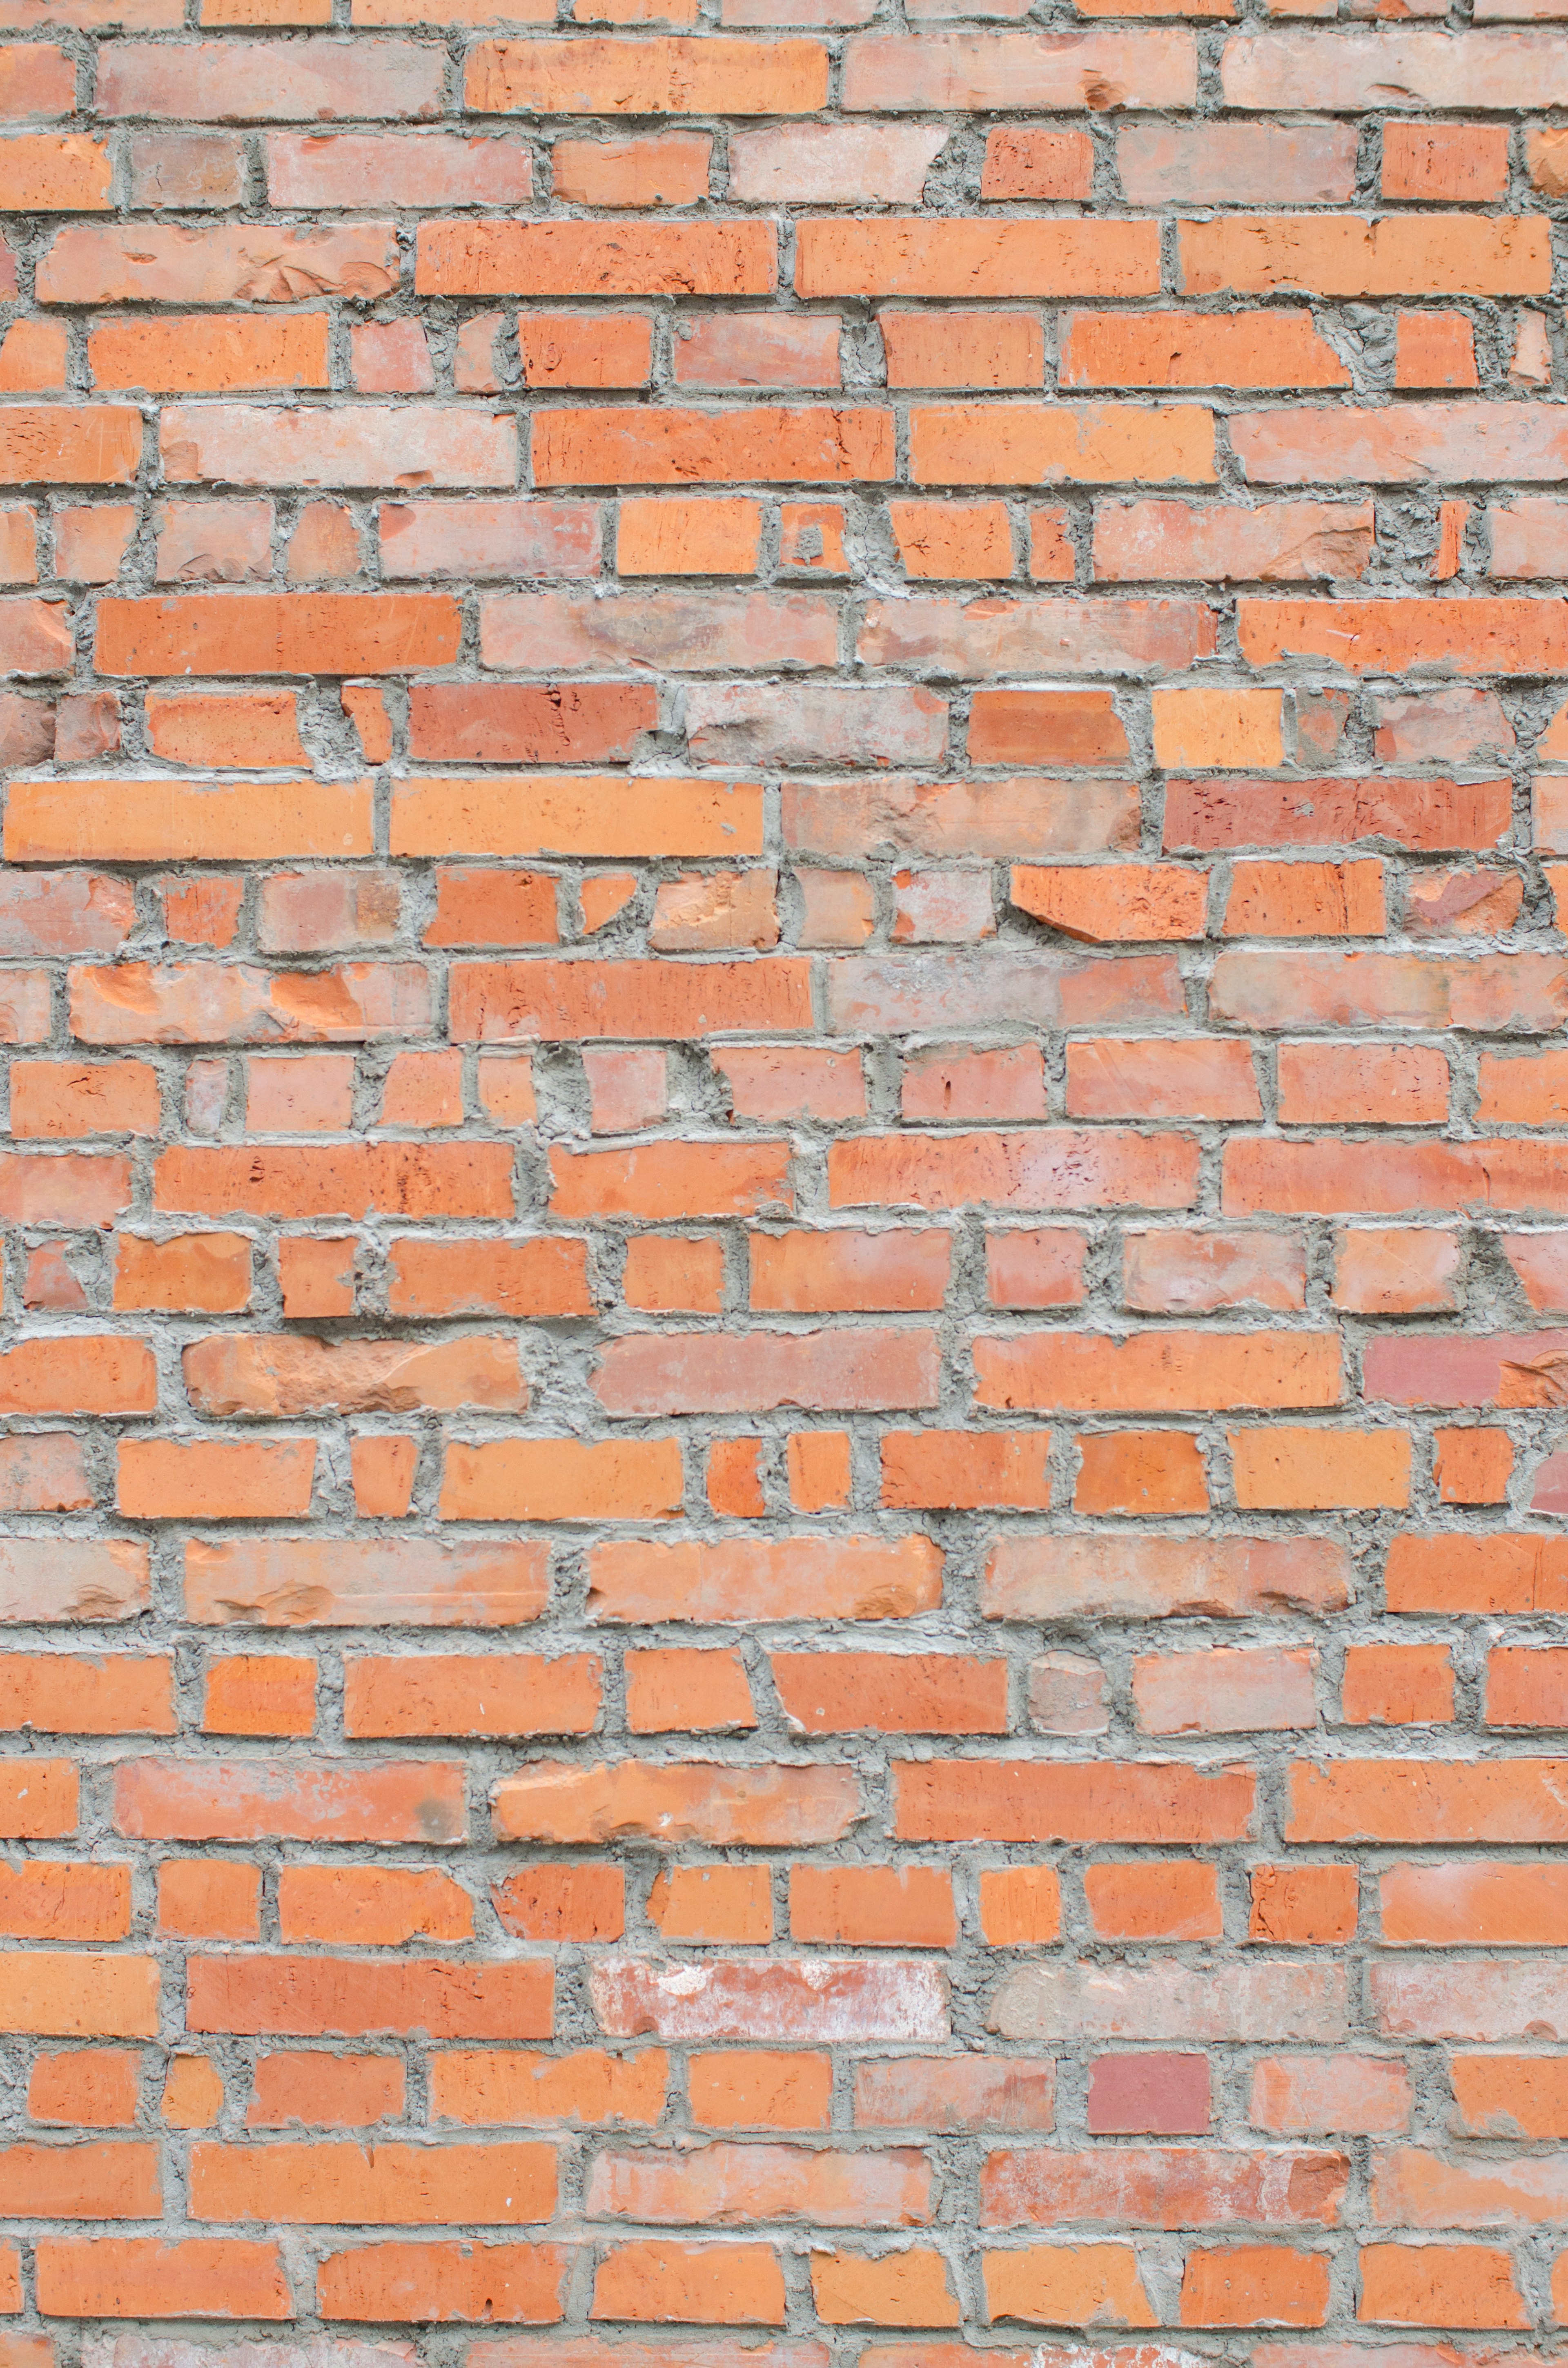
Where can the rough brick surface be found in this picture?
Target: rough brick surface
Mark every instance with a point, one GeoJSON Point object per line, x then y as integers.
{"type": "Point", "coordinates": [784, 1242]}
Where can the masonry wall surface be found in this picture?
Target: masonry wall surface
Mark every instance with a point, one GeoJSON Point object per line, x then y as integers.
{"type": "Point", "coordinates": [785, 1222]}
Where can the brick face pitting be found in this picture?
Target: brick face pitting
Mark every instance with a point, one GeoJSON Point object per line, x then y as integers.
{"type": "Point", "coordinates": [784, 1278]}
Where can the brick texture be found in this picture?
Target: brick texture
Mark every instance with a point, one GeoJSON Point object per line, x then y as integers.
{"type": "Point", "coordinates": [784, 1198]}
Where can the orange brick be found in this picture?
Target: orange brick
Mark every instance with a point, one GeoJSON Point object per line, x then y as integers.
{"type": "Point", "coordinates": [668, 1273]}
{"type": "Point", "coordinates": [1296, 1470]}
{"type": "Point", "coordinates": [1019, 1906]}
{"type": "Point", "coordinates": [676, 1688]}
{"type": "Point", "coordinates": [873, 1906]}
{"type": "Point", "coordinates": [735, 1486]}
{"type": "Point", "coordinates": [1133, 1902]}
{"type": "Point", "coordinates": [818, 1466]}
{"type": "Point", "coordinates": [740, 2090]}
{"type": "Point", "coordinates": [1398, 1685]}
{"type": "Point", "coordinates": [91, 2088]}
{"type": "Point", "coordinates": [209, 1899]}
{"type": "Point", "coordinates": [1446, 164]}
{"type": "Point", "coordinates": [1292, 1905]}
{"type": "Point", "coordinates": [1473, 1465]}
{"type": "Point", "coordinates": [1139, 1472]}
{"type": "Point", "coordinates": [669, 537]}
{"type": "Point", "coordinates": [712, 1903]}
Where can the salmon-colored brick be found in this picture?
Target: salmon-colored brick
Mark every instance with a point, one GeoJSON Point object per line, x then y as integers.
{"type": "Point", "coordinates": [324, 2091]}
{"type": "Point", "coordinates": [676, 1688]}
{"type": "Point", "coordinates": [498, 2283]}
{"type": "Point", "coordinates": [1396, 1270]}
{"type": "Point", "coordinates": [69, 1694]}
{"type": "Point", "coordinates": [481, 2087]}
{"type": "Point", "coordinates": [193, 2093]}
{"type": "Point", "coordinates": [371, 1907]}
{"type": "Point", "coordinates": [41, 1899]}
{"type": "Point", "coordinates": [1306, 900]}
{"type": "Point", "coordinates": [674, 1272]}
{"type": "Point", "coordinates": [972, 540]}
{"type": "Point", "coordinates": [209, 728]}
{"type": "Point", "coordinates": [1365, 1084]}
{"type": "Point", "coordinates": [910, 2288]}
{"type": "Point", "coordinates": [670, 169]}
{"type": "Point", "coordinates": [1299, 2095]}
{"type": "Point", "coordinates": [1398, 1685]}
{"type": "Point", "coordinates": [1276, 349]}
{"type": "Point", "coordinates": [905, 1693]}
{"type": "Point", "coordinates": [143, 2278]}
{"type": "Point", "coordinates": [163, 1480]}
{"type": "Point", "coordinates": [1104, 902]}
{"type": "Point", "coordinates": [1435, 350]}
{"type": "Point", "coordinates": [735, 1483]}
{"type": "Point", "coordinates": [316, 1276]}
{"type": "Point", "coordinates": [1050, 727]}
{"type": "Point", "coordinates": [68, 1995]}
{"type": "Point", "coordinates": [1067, 2286]}
{"type": "Point", "coordinates": [38, 1799]}
{"type": "Point", "coordinates": [472, 1694]}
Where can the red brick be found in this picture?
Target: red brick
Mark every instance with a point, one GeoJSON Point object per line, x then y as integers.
{"type": "Point", "coordinates": [1179, 1901]}
{"type": "Point", "coordinates": [865, 1906]}
{"type": "Point", "coordinates": [1148, 2095]}
{"type": "Point", "coordinates": [1139, 1472]}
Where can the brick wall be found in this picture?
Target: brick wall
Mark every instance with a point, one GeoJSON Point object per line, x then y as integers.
{"type": "Point", "coordinates": [782, 1446]}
